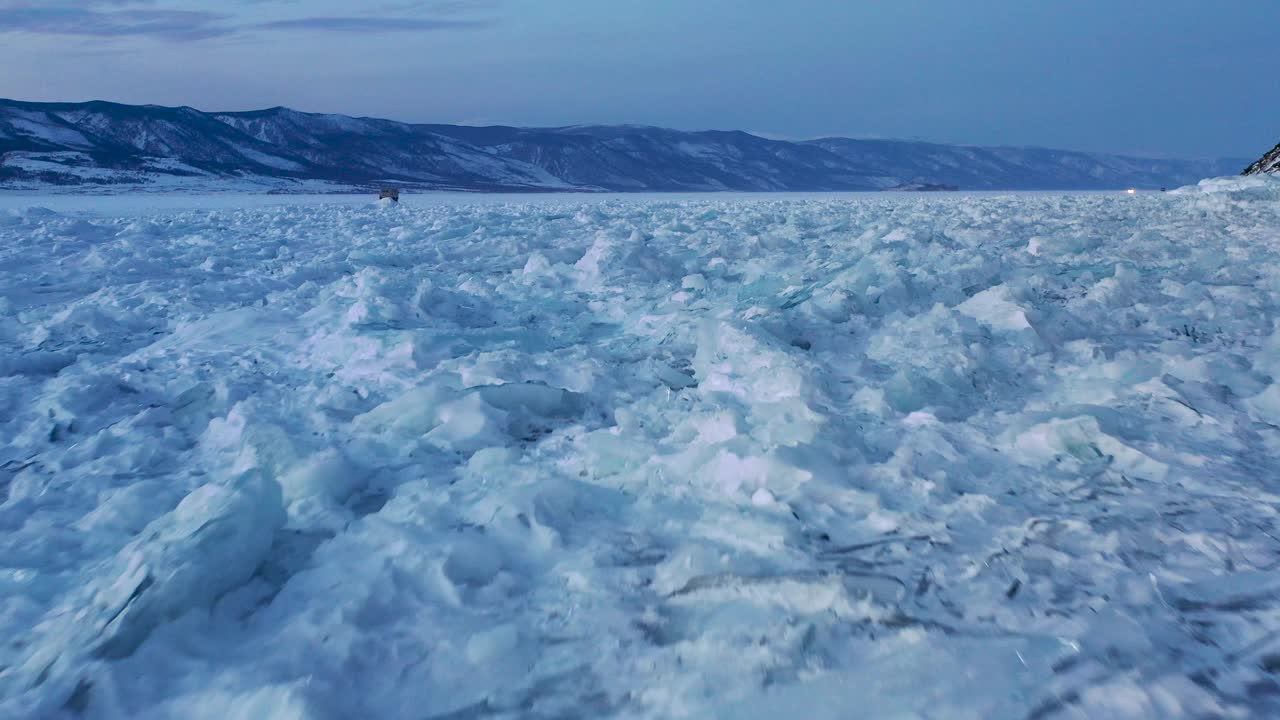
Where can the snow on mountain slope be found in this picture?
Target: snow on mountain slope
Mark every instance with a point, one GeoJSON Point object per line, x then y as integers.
{"type": "Point", "coordinates": [128, 145]}
{"type": "Point", "coordinates": [43, 128]}
{"type": "Point", "coordinates": [290, 146]}
{"type": "Point", "coordinates": [978, 168]}
{"type": "Point", "coordinates": [1268, 163]}
{"type": "Point", "coordinates": [626, 157]}
{"type": "Point", "coordinates": [1007, 456]}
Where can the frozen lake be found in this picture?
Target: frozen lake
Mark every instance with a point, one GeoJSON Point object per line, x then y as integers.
{"type": "Point", "coordinates": [154, 202]}
{"type": "Point", "coordinates": [545, 456]}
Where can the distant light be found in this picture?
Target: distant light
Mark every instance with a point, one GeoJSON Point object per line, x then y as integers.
{"type": "Point", "coordinates": [1132, 191]}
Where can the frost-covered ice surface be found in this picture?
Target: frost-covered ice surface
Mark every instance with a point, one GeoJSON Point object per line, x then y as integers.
{"type": "Point", "coordinates": [944, 457]}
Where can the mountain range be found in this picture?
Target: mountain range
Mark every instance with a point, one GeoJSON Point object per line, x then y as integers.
{"type": "Point", "coordinates": [115, 146]}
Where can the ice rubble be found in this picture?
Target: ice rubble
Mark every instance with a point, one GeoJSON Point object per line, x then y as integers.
{"type": "Point", "coordinates": [1004, 456]}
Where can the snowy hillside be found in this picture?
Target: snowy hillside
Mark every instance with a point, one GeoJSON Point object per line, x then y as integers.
{"type": "Point", "coordinates": [107, 145]}
{"type": "Point", "coordinates": [932, 456]}
{"type": "Point", "coordinates": [1268, 163]}
{"type": "Point", "coordinates": [995, 168]}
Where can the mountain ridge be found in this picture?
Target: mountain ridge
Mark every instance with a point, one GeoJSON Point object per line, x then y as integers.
{"type": "Point", "coordinates": [106, 144]}
{"type": "Point", "coordinates": [1269, 163]}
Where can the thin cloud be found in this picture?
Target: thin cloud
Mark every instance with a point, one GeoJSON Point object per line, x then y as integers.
{"type": "Point", "coordinates": [440, 7]}
{"type": "Point", "coordinates": [67, 20]}
{"type": "Point", "coordinates": [370, 24]}
{"type": "Point", "coordinates": [64, 4]}
{"type": "Point", "coordinates": [144, 18]}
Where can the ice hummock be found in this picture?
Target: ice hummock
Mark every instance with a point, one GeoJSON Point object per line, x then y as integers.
{"type": "Point", "coordinates": [961, 456]}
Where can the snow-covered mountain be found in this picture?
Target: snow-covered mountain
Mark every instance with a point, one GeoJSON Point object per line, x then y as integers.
{"type": "Point", "coordinates": [100, 143]}
{"type": "Point", "coordinates": [999, 168]}
{"type": "Point", "coordinates": [1269, 163]}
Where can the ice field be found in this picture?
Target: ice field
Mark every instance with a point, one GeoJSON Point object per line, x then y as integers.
{"type": "Point", "coordinates": [1006, 456]}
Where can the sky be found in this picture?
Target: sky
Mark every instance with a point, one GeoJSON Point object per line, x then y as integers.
{"type": "Point", "coordinates": [1164, 78]}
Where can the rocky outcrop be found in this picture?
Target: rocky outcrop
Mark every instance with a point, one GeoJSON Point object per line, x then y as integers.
{"type": "Point", "coordinates": [1268, 163]}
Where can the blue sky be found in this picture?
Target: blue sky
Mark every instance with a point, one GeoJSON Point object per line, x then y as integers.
{"type": "Point", "coordinates": [1157, 77]}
